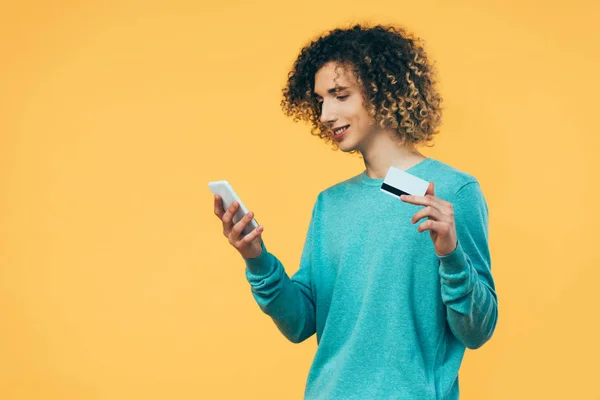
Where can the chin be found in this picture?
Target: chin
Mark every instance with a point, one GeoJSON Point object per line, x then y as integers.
{"type": "Point", "coordinates": [347, 145]}
{"type": "Point", "coordinates": [346, 149]}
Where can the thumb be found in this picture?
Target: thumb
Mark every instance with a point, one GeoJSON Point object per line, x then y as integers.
{"type": "Point", "coordinates": [430, 189]}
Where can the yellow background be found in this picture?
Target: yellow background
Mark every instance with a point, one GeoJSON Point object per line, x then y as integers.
{"type": "Point", "coordinates": [115, 279]}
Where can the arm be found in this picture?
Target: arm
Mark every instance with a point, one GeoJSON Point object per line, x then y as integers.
{"type": "Point", "coordinates": [467, 285]}
{"type": "Point", "coordinates": [288, 301]}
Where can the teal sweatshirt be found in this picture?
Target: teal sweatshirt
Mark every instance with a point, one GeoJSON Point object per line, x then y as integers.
{"type": "Point", "coordinates": [392, 318]}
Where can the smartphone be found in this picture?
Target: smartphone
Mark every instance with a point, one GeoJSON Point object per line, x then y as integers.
{"type": "Point", "coordinates": [228, 195]}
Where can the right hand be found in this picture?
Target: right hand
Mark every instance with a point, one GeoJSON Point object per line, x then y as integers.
{"type": "Point", "coordinates": [249, 246]}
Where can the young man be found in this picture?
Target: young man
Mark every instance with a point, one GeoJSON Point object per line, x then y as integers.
{"type": "Point", "coordinates": [393, 308]}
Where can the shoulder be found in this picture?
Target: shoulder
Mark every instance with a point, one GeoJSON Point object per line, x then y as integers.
{"type": "Point", "coordinates": [461, 188]}
{"type": "Point", "coordinates": [449, 182]}
{"type": "Point", "coordinates": [348, 187]}
{"type": "Point", "coordinates": [450, 179]}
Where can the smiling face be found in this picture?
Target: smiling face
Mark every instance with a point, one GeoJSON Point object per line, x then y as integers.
{"type": "Point", "coordinates": [341, 104]}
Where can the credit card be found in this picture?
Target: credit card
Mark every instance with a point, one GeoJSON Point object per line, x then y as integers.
{"type": "Point", "coordinates": [398, 182]}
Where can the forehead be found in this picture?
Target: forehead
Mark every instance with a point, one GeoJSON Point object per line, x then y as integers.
{"type": "Point", "coordinates": [331, 75]}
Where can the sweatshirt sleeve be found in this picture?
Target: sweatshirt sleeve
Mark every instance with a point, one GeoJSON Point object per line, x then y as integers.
{"type": "Point", "coordinates": [288, 301]}
{"type": "Point", "coordinates": [467, 285]}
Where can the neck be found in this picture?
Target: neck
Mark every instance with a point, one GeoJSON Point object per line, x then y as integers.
{"type": "Point", "coordinates": [384, 152]}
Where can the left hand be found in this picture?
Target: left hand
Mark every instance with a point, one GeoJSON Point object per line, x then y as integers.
{"type": "Point", "coordinates": [440, 223]}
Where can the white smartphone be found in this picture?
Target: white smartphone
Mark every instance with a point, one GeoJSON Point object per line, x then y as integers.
{"type": "Point", "coordinates": [225, 190]}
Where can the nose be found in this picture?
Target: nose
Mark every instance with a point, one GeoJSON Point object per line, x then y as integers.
{"type": "Point", "coordinates": [327, 117]}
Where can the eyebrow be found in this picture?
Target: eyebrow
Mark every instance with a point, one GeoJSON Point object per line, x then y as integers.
{"type": "Point", "coordinates": [334, 90]}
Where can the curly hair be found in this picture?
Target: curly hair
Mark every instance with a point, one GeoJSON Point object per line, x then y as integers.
{"type": "Point", "coordinates": [391, 66]}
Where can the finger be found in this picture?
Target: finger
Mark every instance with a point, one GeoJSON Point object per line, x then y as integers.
{"type": "Point", "coordinates": [219, 206]}
{"type": "Point", "coordinates": [239, 226]}
{"type": "Point", "coordinates": [256, 232]}
{"type": "Point", "coordinates": [427, 200]}
{"type": "Point", "coordinates": [432, 213]}
{"type": "Point", "coordinates": [422, 200]}
{"type": "Point", "coordinates": [442, 202]}
{"type": "Point", "coordinates": [228, 217]}
{"type": "Point", "coordinates": [440, 227]}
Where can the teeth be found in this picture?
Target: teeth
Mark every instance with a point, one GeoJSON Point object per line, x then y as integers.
{"type": "Point", "coordinates": [338, 131]}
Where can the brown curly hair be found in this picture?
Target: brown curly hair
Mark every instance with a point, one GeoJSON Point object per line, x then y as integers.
{"type": "Point", "coordinates": [391, 66]}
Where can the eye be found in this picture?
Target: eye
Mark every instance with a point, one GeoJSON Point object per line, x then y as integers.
{"type": "Point", "coordinates": [343, 97]}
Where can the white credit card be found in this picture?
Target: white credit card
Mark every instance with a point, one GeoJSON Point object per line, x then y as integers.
{"type": "Point", "coordinates": [398, 182]}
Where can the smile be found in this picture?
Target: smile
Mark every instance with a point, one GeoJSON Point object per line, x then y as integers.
{"type": "Point", "coordinates": [341, 130]}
